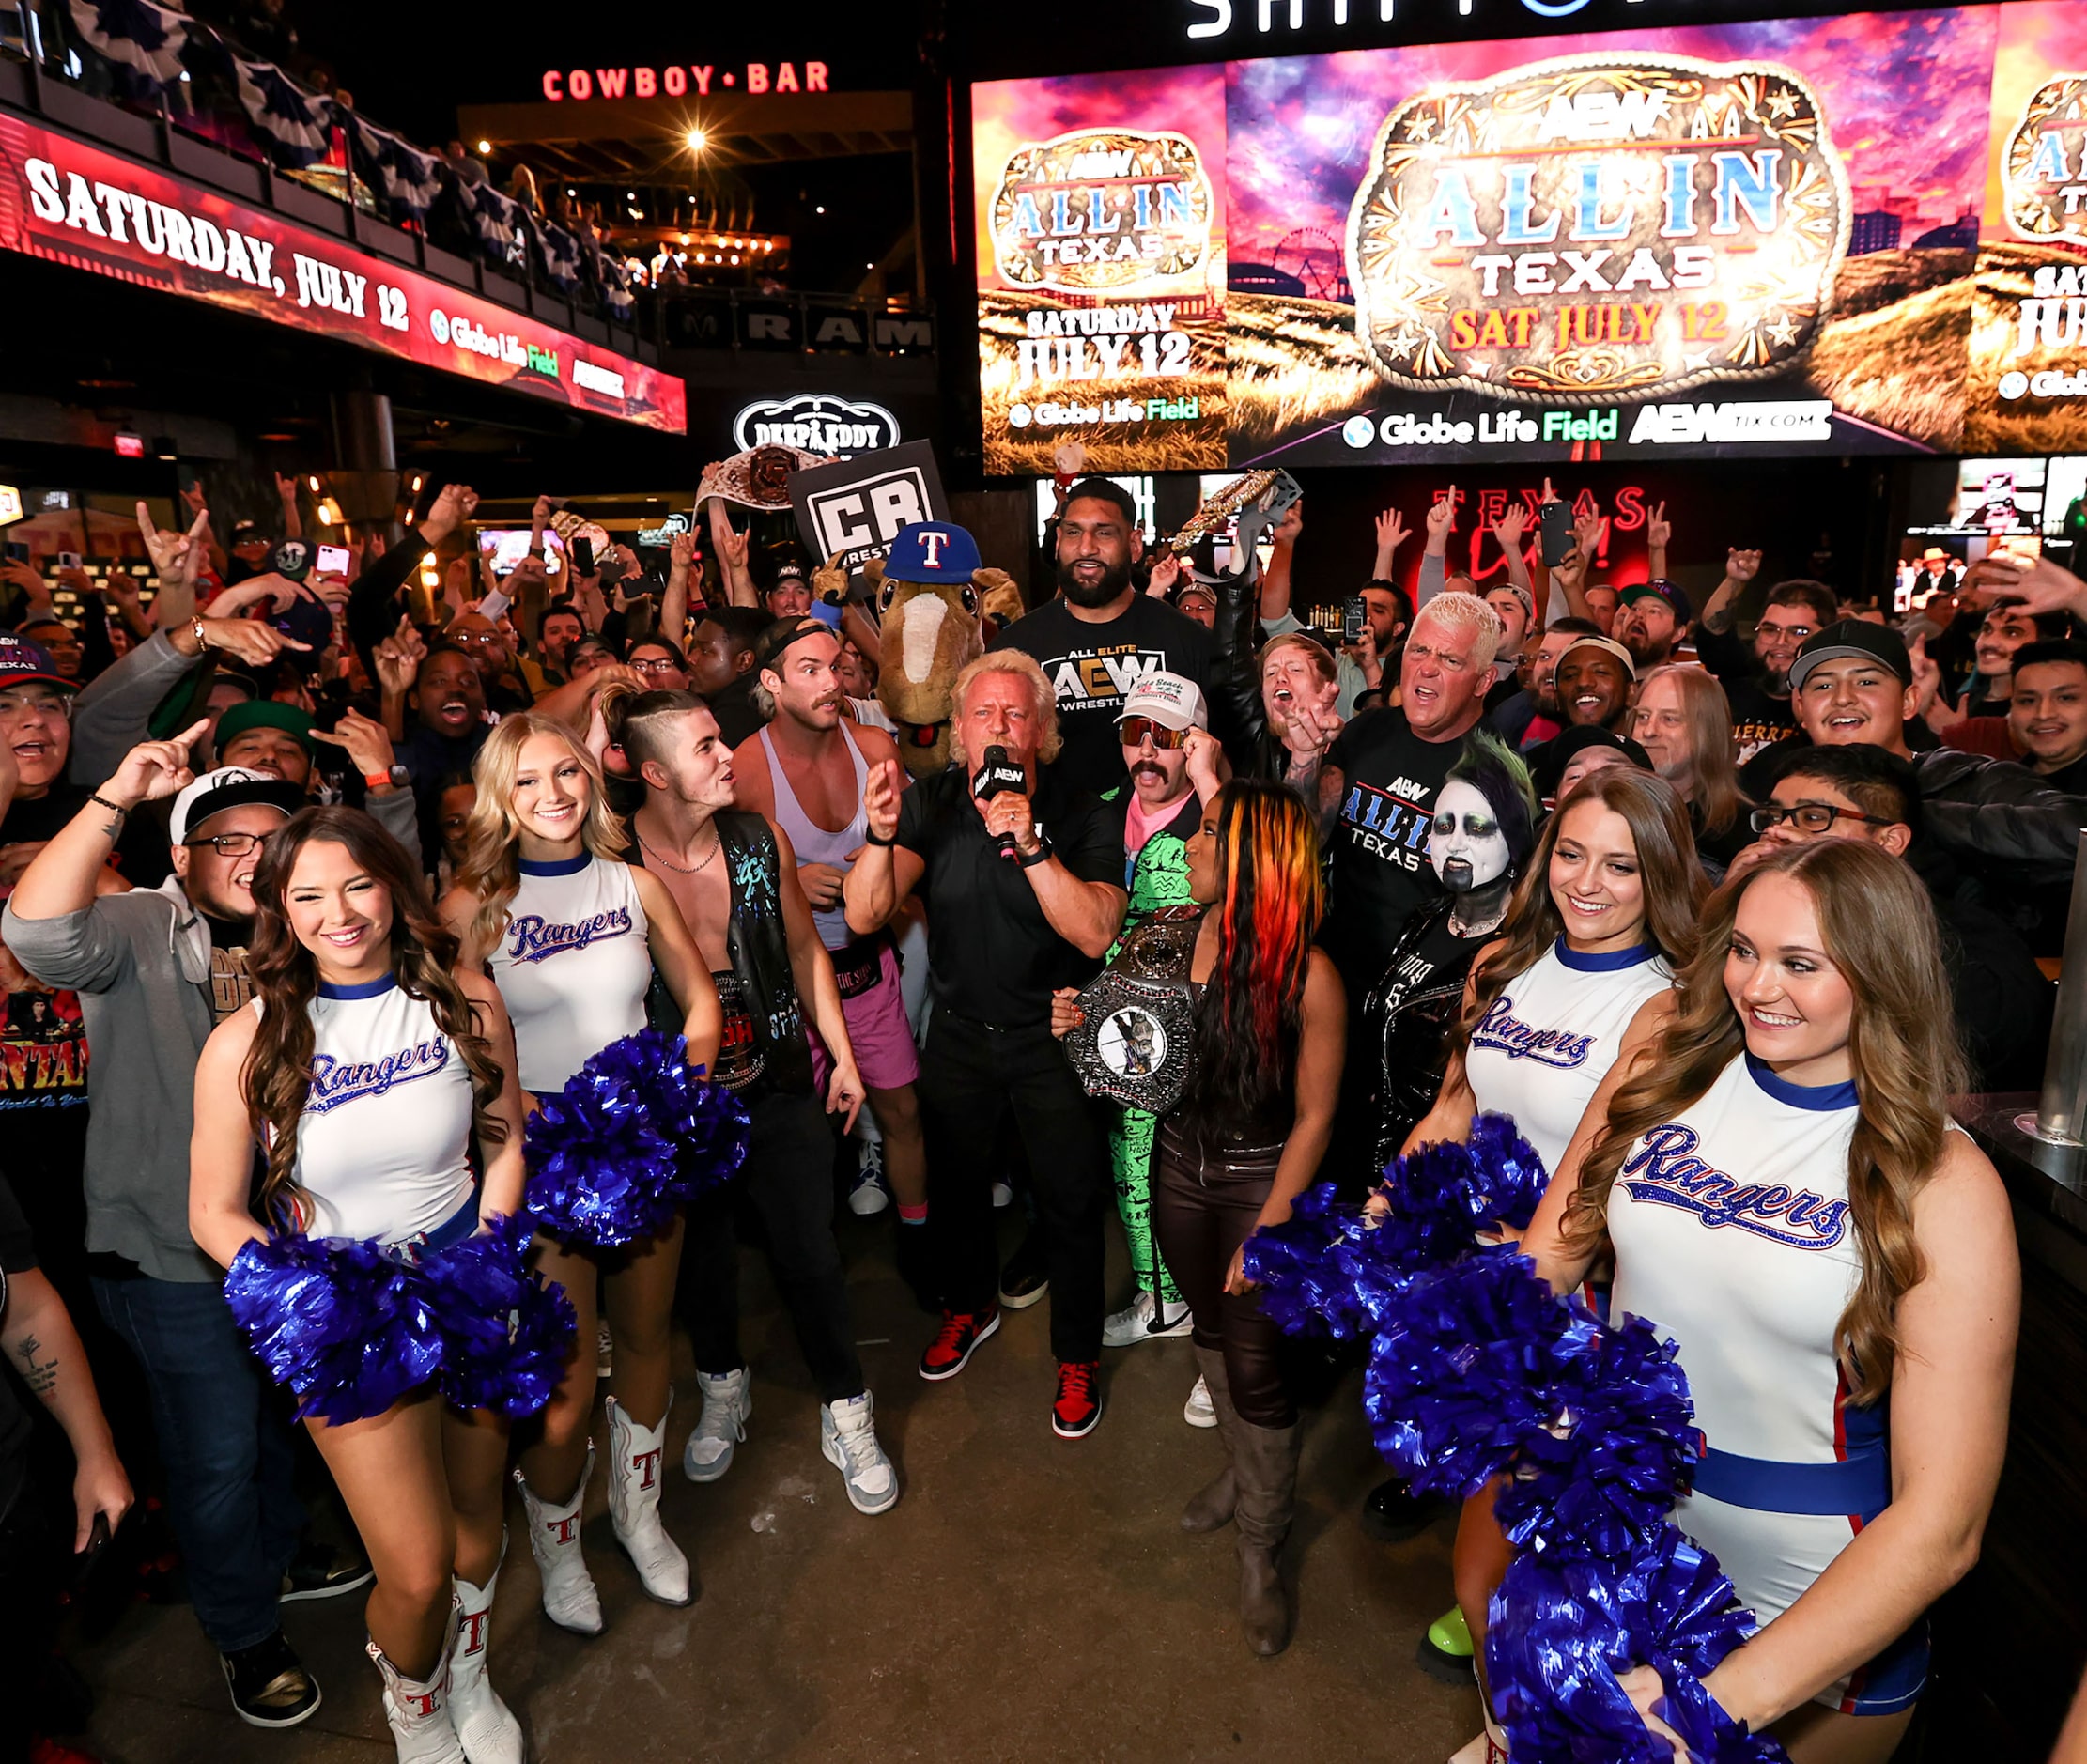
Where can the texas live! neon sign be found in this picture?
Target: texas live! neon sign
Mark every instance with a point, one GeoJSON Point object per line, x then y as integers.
{"type": "Point", "coordinates": [1272, 15]}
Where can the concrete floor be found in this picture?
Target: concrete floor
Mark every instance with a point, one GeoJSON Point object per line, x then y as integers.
{"type": "Point", "coordinates": [1029, 1597]}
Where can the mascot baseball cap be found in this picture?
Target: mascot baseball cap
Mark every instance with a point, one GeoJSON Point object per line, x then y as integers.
{"type": "Point", "coordinates": [229, 787]}
{"type": "Point", "coordinates": [932, 550]}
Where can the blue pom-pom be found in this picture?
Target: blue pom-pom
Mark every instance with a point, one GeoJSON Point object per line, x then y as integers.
{"type": "Point", "coordinates": [505, 1333]}
{"type": "Point", "coordinates": [1559, 1632]}
{"type": "Point", "coordinates": [630, 1138]}
{"type": "Point", "coordinates": [1617, 1450]}
{"type": "Point", "coordinates": [1508, 1173]}
{"type": "Point", "coordinates": [1308, 1267]}
{"type": "Point", "coordinates": [343, 1324]}
{"type": "Point", "coordinates": [1460, 1372]}
{"type": "Point", "coordinates": [1443, 1195]}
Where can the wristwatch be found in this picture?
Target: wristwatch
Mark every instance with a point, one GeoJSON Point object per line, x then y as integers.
{"type": "Point", "coordinates": [1042, 854]}
{"type": "Point", "coordinates": [397, 779]}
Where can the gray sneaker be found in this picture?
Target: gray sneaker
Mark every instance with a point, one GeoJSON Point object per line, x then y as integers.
{"type": "Point", "coordinates": [727, 1406]}
{"type": "Point", "coordinates": [1145, 1319]}
{"type": "Point", "coordinates": [848, 1436]}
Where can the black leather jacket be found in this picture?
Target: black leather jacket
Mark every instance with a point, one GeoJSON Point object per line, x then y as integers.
{"type": "Point", "coordinates": [1235, 682]}
{"type": "Point", "coordinates": [1998, 819]}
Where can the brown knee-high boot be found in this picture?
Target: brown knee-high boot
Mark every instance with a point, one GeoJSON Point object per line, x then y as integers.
{"type": "Point", "coordinates": [1265, 1461]}
{"type": "Point", "coordinates": [1211, 1506]}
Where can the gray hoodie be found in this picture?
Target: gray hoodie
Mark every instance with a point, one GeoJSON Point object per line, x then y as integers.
{"type": "Point", "coordinates": [141, 963]}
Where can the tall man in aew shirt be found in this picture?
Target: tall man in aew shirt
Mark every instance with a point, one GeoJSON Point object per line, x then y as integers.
{"type": "Point", "coordinates": [1377, 791]}
{"type": "Point", "coordinates": [1100, 636]}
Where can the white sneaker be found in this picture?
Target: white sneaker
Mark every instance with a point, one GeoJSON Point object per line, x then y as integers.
{"type": "Point", "coordinates": [1200, 1411]}
{"type": "Point", "coordinates": [486, 1726]}
{"type": "Point", "coordinates": [848, 1436]}
{"type": "Point", "coordinates": [727, 1406]}
{"type": "Point", "coordinates": [570, 1600]}
{"type": "Point", "coordinates": [605, 1345]}
{"type": "Point", "coordinates": [636, 1464]}
{"type": "Point", "coordinates": [1002, 1195]}
{"type": "Point", "coordinates": [869, 1196]}
{"type": "Point", "coordinates": [1144, 1320]}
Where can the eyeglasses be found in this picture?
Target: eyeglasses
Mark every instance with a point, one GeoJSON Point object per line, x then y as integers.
{"type": "Point", "coordinates": [57, 704]}
{"type": "Point", "coordinates": [664, 665]}
{"type": "Point", "coordinates": [1135, 730]}
{"type": "Point", "coordinates": [1811, 817]}
{"type": "Point", "coordinates": [228, 844]}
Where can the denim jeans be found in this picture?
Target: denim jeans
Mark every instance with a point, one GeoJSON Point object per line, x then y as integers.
{"type": "Point", "coordinates": [226, 1441]}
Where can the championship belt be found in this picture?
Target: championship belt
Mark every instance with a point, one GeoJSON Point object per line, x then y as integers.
{"type": "Point", "coordinates": [1133, 1044]}
{"type": "Point", "coordinates": [1273, 491]}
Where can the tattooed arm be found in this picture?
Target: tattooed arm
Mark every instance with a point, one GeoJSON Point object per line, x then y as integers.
{"type": "Point", "coordinates": [42, 1347]}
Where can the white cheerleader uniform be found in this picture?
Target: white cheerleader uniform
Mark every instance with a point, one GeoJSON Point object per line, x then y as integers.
{"type": "Point", "coordinates": [383, 1144]}
{"type": "Point", "coordinates": [1733, 1236]}
{"type": "Point", "coordinates": [573, 965]}
{"type": "Point", "coordinates": [1546, 1043]}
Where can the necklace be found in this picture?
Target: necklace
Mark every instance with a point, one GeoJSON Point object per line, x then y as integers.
{"type": "Point", "coordinates": [686, 869]}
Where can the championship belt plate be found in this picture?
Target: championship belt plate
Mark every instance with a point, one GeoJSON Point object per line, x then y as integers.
{"type": "Point", "coordinates": [1133, 1045]}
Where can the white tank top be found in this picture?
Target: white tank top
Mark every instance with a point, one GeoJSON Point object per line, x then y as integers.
{"type": "Point", "coordinates": [573, 965]}
{"type": "Point", "coordinates": [1732, 1235]}
{"type": "Point", "coordinates": [813, 844]}
{"type": "Point", "coordinates": [1546, 1043]}
{"type": "Point", "coordinates": [383, 1144]}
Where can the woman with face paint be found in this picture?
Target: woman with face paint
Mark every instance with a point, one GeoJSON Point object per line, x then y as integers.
{"type": "Point", "coordinates": [1605, 914]}
{"type": "Point", "coordinates": [1484, 826]}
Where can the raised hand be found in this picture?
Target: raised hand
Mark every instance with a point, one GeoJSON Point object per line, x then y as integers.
{"type": "Point", "coordinates": [1206, 760]}
{"type": "Point", "coordinates": [398, 659]}
{"type": "Point", "coordinates": [1927, 674]}
{"type": "Point", "coordinates": [1290, 524]}
{"type": "Point", "coordinates": [1167, 571]}
{"type": "Point", "coordinates": [366, 744]}
{"type": "Point", "coordinates": [247, 639]}
{"type": "Point", "coordinates": [1741, 565]}
{"type": "Point", "coordinates": [681, 551]}
{"type": "Point", "coordinates": [1593, 533]}
{"type": "Point", "coordinates": [1392, 531]}
{"type": "Point", "coordinates": [881, 791]}
{"type": "Point", "coordinates": [153, 769]}
{"type": "Point", "coordinates": [1509, 528]}
{"type": "Point", "coordinates": [1441, 516]}
{"type": "Point", "coordinates": [2040, 586]}
{"type": "Point", "coordinates": [1657, 528]}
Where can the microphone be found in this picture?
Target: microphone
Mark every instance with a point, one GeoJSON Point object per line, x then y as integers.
{"type": "Point", "coordinates": [996, 773]}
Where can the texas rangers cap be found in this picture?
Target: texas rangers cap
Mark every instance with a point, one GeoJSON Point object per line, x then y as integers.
{"type": "Point", "coordinates": [932, 550]}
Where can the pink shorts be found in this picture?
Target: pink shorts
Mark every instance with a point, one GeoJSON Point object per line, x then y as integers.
{"type": "Point", "coordinates": [885, 1052]}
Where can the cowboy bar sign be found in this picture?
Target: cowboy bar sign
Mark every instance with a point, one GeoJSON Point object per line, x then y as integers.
{"type": "Point", "coordinates": [1598, 227]}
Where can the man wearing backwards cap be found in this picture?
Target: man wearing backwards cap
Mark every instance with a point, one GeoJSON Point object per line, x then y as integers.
{"type": "Point", "coordinates": [1100, 635]}
{"type": "Point", "coordinates": [806, 772]}
{"type": "Point", "coordinates": [1857, 682]}
{"type": "Point", "coordinates": [157, 970]}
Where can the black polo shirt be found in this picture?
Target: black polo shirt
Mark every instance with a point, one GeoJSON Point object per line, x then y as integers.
{"type": "Point", "coordinates": [992, 955]}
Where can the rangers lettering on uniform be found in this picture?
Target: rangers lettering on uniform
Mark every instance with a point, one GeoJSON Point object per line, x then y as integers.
{"type": "Point", "coordinates": [334, 1083]}
{"type": "Point", "coordinates": [1504, 1032]}
{"type": "Point", "coordinates": [537, 938]}
{"type": "Point", "coordinates": [1663, 1169]}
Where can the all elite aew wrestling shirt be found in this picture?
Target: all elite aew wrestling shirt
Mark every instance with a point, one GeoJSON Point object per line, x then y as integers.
{"type": "Point", "coordinates": [1381, 872]}
{"type": "Point", "coordinates": [1092, 668]}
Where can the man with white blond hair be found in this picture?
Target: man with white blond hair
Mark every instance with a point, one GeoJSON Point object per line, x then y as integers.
{"type": "Point", "coordinates": [1377, 790]}
{"type": "Point", "coordinates": [1023, 879]}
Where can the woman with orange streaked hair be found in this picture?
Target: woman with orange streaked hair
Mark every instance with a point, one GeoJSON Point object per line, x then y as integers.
{"type": "Point", "coordinates": [1244, 1141]}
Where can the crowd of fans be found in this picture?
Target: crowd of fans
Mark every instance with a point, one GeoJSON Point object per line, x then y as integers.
{"type": "Point", "coordinates": [1178, 738]}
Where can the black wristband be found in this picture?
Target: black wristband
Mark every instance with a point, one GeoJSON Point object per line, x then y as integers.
{"type": "Point", "coordinates": [869, 838]}
{"type": "Point", "coordinates": [1042, 854]}
{"type": "Point", "coordinates": [106, 804]}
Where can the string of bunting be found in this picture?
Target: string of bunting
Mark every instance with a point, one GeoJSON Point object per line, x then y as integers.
{"type": "Point", "coordinates": [1476, 1371]}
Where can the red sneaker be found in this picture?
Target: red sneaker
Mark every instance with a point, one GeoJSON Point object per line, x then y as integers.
{"type": "Point", "coordinates": [1079, 1399]}
{"type": "Point", "coordinates": [956, 1341]}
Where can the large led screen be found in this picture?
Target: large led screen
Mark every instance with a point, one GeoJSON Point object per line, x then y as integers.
{"type": "Point", "coordinates": [1843, 235]}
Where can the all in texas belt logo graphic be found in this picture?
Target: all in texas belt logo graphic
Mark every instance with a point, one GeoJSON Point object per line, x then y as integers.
{"type": "Point", "coordinates": [1101, 208]}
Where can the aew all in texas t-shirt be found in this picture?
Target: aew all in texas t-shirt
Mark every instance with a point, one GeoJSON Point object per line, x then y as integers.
{"type": "Point", "coordinates": [1092, 668]}
{"type": "Point", "coordinates": [1381, 872]}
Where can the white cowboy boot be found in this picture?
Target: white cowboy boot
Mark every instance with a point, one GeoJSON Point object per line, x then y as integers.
{"type": "Point", "coordinates": [484, 1725]}
{"type": "Point", "coordinates": [418, 1710]}
{"type": "Point", "coordinates": [636, 1455]}
{"type": "Point", "coordinates": [569, 1596]}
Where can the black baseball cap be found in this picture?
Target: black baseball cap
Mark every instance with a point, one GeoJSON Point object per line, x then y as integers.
{"type": "Point", "coordinates": [1660, 588]}
{"type": "Point", "coordinates": [1856, 637]}
{"type": "Point", "coordinates": [778, 637]}
{"type": "Point", "coordinates": [1548, 761]}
